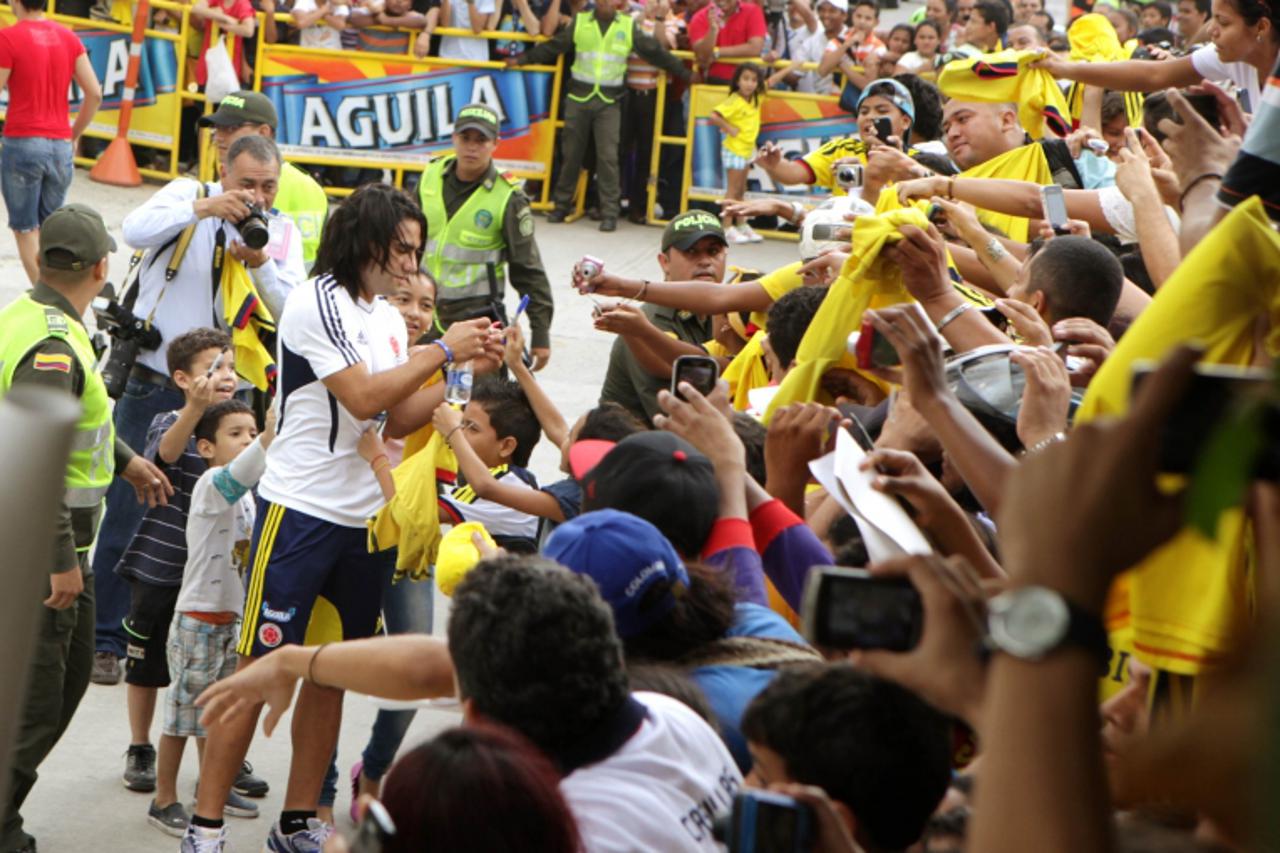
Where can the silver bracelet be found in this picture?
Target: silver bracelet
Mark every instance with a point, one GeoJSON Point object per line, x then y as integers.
{"type": "Point", "coordinates": [952, 314]}
{"type": "Point", "coordinates": [1045, 442]}
{"type": "Point", "coordinates": [797, 212]}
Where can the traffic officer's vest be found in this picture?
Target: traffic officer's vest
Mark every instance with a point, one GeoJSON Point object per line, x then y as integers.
{"type": "Point", "coordinates": [600, 60]}
{"type": "Point", "coordinates": [24, 324]}
{"type": "Point", "coordinates": [464, 254]}
{"type": "Point", "coordinates": [304, 201]}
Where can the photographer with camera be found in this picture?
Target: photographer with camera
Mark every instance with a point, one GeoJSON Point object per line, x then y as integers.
{"type": "Point", "coordinates": [185, 232]}
{"type": "Point", "coordinates": [43, 343]}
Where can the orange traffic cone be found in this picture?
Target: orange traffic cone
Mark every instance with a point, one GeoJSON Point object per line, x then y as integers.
{"type": "Point", "coordinates": [116, 166]}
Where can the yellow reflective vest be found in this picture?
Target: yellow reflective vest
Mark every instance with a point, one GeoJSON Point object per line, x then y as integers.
{"type": "Point", "coordinates": [600, 59]}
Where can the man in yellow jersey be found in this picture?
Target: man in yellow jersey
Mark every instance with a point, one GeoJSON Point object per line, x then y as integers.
{"type": "Point", "coordinates": [601, 41]}
{"type": "Point", "coordinates": [43, 343]}
{"type": "Point", "coordinates": [299, 196]}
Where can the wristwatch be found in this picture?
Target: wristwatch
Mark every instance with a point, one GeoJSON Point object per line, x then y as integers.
{"type": "Point", "coordinates": [1031, 622]}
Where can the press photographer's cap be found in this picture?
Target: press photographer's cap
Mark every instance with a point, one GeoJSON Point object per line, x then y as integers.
{"type": "Point", "coordinates": [242, 107]}
{"type": "Point", "coordinates": [74, 237]}
{"type": "Point", "coordinates": [637, 570]}
{"type": "Point", "coordinates": [479, 117]}
{"type": "Point", "coordinates": [690, 227]}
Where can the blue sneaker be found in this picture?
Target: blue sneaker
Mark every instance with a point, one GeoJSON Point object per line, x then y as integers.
{"type": "Point", "coordinates": [309, 840]}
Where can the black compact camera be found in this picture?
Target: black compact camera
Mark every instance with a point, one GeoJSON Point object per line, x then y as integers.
{"type": "Point", "coordinates": [253, 228]}
{"type": "Point", "coordinates": [852, 609]}
{"type": "Point", "coordinates": [129, 334]}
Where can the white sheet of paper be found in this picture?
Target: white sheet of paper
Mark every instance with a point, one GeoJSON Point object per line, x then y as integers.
{"type": "Point", "coordinates": [758, 399]}
{"type": "Point", "coordinates": [879, 546]}
{"type": "Point", "coordinates": [880, 510]}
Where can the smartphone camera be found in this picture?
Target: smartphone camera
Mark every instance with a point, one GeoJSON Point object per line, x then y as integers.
{"type": "Point", "coordinates": [765, 822]}
{"type": "Point", "coordinates": [884, 129]}
{"type": "Point", "coordinates": [851, 609]}
{"type": "Point", "coordinates": [700, 371]}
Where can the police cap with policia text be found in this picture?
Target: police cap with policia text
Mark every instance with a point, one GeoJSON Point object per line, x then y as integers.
{"type": "Point", "coordinates": [688, 228]}
{"type": "Point", "coordinates": [243, 107]}
{"type": "Point", "coordinates": [74, 237]}
{"type": "Point", "coordinates": [479, 117]}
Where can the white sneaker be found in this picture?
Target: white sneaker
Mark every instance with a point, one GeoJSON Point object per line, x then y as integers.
{"type": "Point", "coordinates": [751, 235]}
{"type": "Point", "coordinates": [200, 840]}
{"type": "Point", "coordinates": [735, 237]}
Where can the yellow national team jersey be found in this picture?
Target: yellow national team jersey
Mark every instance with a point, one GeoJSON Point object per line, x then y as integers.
{"type": "Point", "coordinates": [1027, 163]}
{"type": "Point", "coordinates": [1094, 39]}
{"type": "Point", "coordinates": [1190, 600]}
{"type": "Point", "coordinates": [745, 116]}
{"type": "Point", "coordinates": [1004, 77]}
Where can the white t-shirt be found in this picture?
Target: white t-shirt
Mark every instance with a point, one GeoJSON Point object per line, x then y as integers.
{"type": "Point", "coordinates": [463, 504]}
{"type": "Point", "coordinates": [661, 791]}
{"type": "Point", "coordinates": [811, 49]}
{"type": "Point", "coordinates": [1210, 67]}
{"type": "Point", "coordinates": [313, 465]}
{"type": "Point", "coordinates": [321, 34]}
{"type": "Point", "coordinates": [1118, 212]}
{"type": "Point", "coordinates": [459, 47]}
{"type": "Point", "coordinates": [219, 528]}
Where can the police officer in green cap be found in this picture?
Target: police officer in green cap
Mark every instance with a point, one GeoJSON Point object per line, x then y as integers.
{"type": "Point", "coordinates": [479, 231]}
{"type": "Point", "coordinates": [601, 40]}
{"type": "Point", "coordinates": [650, 340]}
{"type": "Point", "coordinates": [43, 342]}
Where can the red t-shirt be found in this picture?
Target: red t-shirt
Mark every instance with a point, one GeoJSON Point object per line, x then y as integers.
{"type": "Point", "coordinates": [238, 9]}
{"type": "Point", "coordinates": [740, 27]}
{"type": "Point", "coordinates": [41, 58]}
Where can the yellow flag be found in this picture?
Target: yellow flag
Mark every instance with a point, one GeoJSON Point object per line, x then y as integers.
{"type": "Point", "coordinates": [747, 371]}
{"type": "Point", "coordinates": [1004, 78]}
{"type": "Point", "coordinates": [1189, 600]}
{"type": "Point", "coordinates": [1094, 39]}
{"type": "Point", "coordinates": [252, 327]}
{"type": "Point", "coordinates": [867, 281]}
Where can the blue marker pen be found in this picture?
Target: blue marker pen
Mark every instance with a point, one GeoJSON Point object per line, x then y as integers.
{"type": "Point", "coordinates": [520, 309]}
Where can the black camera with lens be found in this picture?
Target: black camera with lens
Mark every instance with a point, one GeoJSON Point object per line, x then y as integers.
{"type": "Point", "coordinates": [253, 229]}
{"type": "Point", "coordinates": [129, 335]}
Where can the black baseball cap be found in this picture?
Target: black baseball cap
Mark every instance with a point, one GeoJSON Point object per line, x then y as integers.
{"type": "Point", "coordinates": [74, 237]}
{"type": "Point", "coordinates": [661, 478]}
{"type": "Point", "coordinates": [243, 107]}
{"type": "Point", "coordinates": [691, 226]}
{"type": "Point", "coordinates": [479, 117]}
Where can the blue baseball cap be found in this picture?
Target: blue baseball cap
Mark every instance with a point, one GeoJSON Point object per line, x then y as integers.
{"type": "Point", "coordinates": [636, 568]}
{"type": "Point", "coordinates": [887, 87]}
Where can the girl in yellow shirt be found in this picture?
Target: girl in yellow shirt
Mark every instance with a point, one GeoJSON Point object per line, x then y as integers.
{"type": "Point", "coordinates": [738, 118]}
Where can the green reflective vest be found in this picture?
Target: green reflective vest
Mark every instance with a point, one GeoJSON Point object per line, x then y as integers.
{"type": "Point", "coordinates": [601, 60]}
{"type": "Point", "coordinates": [24, 324]}
{"type": "Point", "coordinates": [303, 200]}
{"type": "Point", "coordinates": [460, 251]}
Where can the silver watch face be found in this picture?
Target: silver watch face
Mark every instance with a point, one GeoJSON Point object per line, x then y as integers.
{"type": "Point", "coordinates": [1029, 622]}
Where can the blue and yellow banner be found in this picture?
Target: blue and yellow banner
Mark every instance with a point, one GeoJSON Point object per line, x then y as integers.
{"type": "Point", "coordinates": [399, 111]}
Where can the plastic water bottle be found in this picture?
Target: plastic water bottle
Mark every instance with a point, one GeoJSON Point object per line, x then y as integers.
{"type": "Point", "coordinates": [457, 383]}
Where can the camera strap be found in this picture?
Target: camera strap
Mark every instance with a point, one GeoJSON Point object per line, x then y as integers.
{"type": "Point", "coordinates": [219, 258]}
{"type": "Point", "coordinates": [180, 244]}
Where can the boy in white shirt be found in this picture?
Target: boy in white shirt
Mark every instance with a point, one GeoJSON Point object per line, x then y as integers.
{"type": "Point", "coordinates": [321, 22]}
{"type": "Point", "coordinates": [202, 638]}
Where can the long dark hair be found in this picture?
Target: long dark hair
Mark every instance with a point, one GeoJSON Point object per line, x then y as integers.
{"type": "Point", "coordinates": [760, 79]}
{"type": "Point", "coordinates": [702, 613]}
{"type": "Point", "coordinates": [482, 787]}
{"type": "Point", "coordinates": [1255, 10]}
{"type": "Point", "coordinates": [360, 231]}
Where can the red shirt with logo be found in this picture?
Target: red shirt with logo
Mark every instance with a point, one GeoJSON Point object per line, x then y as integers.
{"type": "Point", "coordinates": [41, 58]}
{"type": "Point", "coordinates": [739, 28]}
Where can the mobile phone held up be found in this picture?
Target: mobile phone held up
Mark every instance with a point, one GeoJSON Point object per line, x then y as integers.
{"type": "Point", "coordinates": [872, 349]}
{"type": "Point", "coordinates": [765, 822]}
{"type": "Point", "coordinates": [884, 128]}
{"type": "Point", "coordinates": [852, 609]}
{"type": "Point", "coordinates": [1054, 204]}
{"type": "Point", "coordinates": [700, 371]}
{"type": "Point", "coordinates": [374, 831]}
{"type": "Point", "coordinates": [1210, 395]}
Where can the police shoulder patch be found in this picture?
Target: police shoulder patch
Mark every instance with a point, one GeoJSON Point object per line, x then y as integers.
{"type": "Point", "coordinates": [55, 321]}
{"type": "Point", "coordinates": [526, 222]}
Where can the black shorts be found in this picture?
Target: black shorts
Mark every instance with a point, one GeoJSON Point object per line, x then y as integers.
{"type": "Point", "coordinates": [147, 629]}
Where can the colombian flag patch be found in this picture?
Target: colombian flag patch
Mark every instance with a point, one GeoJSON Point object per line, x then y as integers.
{"type": "Point", "coordinates": [53, 362]}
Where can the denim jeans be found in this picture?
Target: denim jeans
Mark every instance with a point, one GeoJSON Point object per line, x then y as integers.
{"type": "Point", "coordinates": [134, 411]}
{"type": "Point", "coordinates": [406, 609]}
{"type": "Point", "coordinates": [35, 174]}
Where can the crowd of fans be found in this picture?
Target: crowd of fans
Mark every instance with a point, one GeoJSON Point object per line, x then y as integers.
{"type": "Point", "coordinates": [959, 532]}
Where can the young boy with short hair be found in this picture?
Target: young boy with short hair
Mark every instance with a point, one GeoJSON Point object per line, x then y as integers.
{"type": "Point", "coordinates": [202, 637]}
{"type": "Point", "coordinates": [500, 430]}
